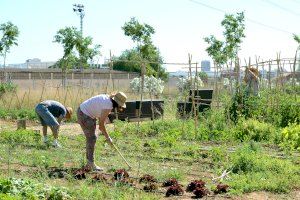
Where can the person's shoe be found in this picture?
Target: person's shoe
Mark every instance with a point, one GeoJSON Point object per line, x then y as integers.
{"type": "Point", "coordinates": [93, 167]}
{"type": "Point", "coordinates": [56, 144]}
{"type": "Point", "coordinates": [45, 139]}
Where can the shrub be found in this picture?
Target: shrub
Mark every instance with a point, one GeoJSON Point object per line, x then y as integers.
{"type": "Point", "coordinates": [23, 113]}
{"type": "Point", "coordinates": [7, 87]}
{"type": "Point", "coordinates": [252, 129]}
{"type": "Point", "coordinates": [242, 105]}
{"type": "Point", "coordinates": [290, 137]}
{"type": "Point", "coordinates": [26, 189]}
{"type": "Point", "coordinates": [20, 137]}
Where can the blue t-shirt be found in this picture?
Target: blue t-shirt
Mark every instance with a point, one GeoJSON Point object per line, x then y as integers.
{"type": "Point", "coordinates": [55, 108]}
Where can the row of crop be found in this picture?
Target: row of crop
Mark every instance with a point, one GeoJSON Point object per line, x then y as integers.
{"type": "Point", "coordinates": [171, 131]}
{"type": "Point", "coordinates": [13, 188]}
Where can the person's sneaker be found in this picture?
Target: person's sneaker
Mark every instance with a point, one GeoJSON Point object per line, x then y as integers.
{"type": "Point", "coordinates": [93, 167]}
{"type": "Point", "coordinates": [56, 144]}
{"type": "Point", "coordinates": [45, 139]}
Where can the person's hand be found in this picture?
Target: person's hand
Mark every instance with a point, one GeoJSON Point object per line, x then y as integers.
{"type": "Point", "coordinates": [109, 140]}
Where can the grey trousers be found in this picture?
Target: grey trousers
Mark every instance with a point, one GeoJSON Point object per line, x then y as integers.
{"type": "Point", "coordinates": [88, 126]}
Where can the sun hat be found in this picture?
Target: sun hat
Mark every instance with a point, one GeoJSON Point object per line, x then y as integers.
{"type": "Point", "coordinates": [120, 98]}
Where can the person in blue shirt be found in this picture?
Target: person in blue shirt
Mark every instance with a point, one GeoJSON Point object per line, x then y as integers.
{"type": "Point", "coordinates": [51, 113]}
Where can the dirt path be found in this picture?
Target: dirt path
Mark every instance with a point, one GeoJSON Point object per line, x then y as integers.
{"type": "Point", "coordinates": [65, 129]}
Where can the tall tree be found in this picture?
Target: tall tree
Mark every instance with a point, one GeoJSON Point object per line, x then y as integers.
{"type": "Point", "coordinates": [144, 51]}
{"type": "Point", "coordinates": [10, 33]}
{"type": "Point", "coordinates": [75, 44]}
{"type": "Point", "coordinates": [140, 33]}
{"type": "Point", "coordinates": [223, 51]}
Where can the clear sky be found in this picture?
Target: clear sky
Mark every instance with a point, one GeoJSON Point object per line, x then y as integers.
{"type": "Point", "coordinates": [180, 26]}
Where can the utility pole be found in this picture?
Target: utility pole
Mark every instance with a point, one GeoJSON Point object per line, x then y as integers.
{"type": "Point", "coordinates": [79, 9]}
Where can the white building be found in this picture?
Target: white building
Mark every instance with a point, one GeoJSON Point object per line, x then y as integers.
{"type": "Point", "coordinates": [34, 63]}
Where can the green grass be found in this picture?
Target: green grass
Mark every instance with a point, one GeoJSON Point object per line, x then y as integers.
{"type": "Point", "coordinates": [163, 150]}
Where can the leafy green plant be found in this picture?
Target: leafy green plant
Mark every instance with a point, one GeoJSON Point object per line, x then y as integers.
{"type": "Point", "coordinates": [20, 137]}
{"type": "Point", "coordinates": [255, 130]}
{"type": "Point", "coordinates": [22, 113]}
{"type": "Point", "coordinates": [242, 105]}
{"type": "Point", "coordinates": [27, 189]}
{"type": "Point", "coordinates": [252, 170]}
{"type": "Point", "coordinates": [7, 87]}
{"type": "Point", "coordinates": [290, 137]}
{"type": "Point", "coordinates": [217, 154]}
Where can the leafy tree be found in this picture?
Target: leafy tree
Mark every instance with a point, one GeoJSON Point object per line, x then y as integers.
{"type": "Point", "coordinates": [234, 32]}
{"type": "Point", "coordinates": [85, 52]}
{"type": "Point", "coordinates": [297, 39]}
{"type": "Point", "coordinates": [10, 33]}
{"type": "Point", "coordinates": [145, 50]}
{"type": "Point", "coordinates": [223, 51]}
{"type": "Point", "coordinates": [140, 33]}
{"type": "Point", "coordinates": [74, 43]}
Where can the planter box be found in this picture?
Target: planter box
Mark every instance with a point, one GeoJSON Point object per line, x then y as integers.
{"type": "Point", "coordinates": [203, 98]}
{"type": "Point", "coordinates": [158, 108]}
{"type": "Point", "coordinates": [202, 95]}
{"type": "Point", "coordinates": [189, 108]}
{"type": "Point", "coordinates": [132, 109]}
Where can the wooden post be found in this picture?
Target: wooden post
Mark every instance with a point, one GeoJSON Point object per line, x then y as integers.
{"type": "Point", "coordinates": [294, 73]}
{"type": "Point", "coordinates": [269, 75]}
{"type": "Point", "coordinates": [21, 124]}
{"type": "Point", "coordinates": [196, 104]}
{"type": "Point", "coordinates": [143, 72]}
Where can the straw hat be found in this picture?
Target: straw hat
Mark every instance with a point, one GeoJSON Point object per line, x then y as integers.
{"type": "Point", "coordinates": [120, 98]}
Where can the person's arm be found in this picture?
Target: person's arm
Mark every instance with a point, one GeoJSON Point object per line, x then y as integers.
{"type": "Point", "coordinates": [62, 115]}
{"type": "Point", "coordinates": [102, 128]}
{"type": "Point", "coordinates": [60, 118]}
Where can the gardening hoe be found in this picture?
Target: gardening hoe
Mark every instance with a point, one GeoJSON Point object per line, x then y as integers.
{"type": "Point", "coordinates": [114, 146]}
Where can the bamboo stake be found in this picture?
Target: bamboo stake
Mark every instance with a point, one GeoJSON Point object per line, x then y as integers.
{"type": "Point", "coordinates": [294, 73]}
{"type": "Point", "coordinates": [41, 97]}
{"type": "Point", "coordinates": [143, 71]}
{"type": "Point", "coordinates": [269, 76]}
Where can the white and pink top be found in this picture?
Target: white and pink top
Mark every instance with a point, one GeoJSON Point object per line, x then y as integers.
{"type": "Point", "coordinates": [94, 106]}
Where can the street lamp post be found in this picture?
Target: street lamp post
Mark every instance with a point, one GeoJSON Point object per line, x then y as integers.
{"type": "Point", "coordinates": [79, 9]}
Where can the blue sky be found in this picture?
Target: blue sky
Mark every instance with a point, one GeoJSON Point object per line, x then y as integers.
{"type": "Point", "coordinates": [180, 26]}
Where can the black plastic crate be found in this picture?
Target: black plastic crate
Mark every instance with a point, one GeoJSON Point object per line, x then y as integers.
{"type": "Point", "coordinates": [132, 108]}
{"type": "Point", "coordinates": [146, 111]}
{"type": "Point", "coordinates": [189, 108]}
{"type": "Point", "coordinates": [202, 95]}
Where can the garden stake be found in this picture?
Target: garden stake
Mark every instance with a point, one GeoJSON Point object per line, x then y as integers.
{"type": "Point", "coordinates": [114, 146]}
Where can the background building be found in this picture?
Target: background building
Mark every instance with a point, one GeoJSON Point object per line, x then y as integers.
{"type": "Point", "coordinates": [34, 63]}
{"type": "Point", "coordinates": [205, 66]}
